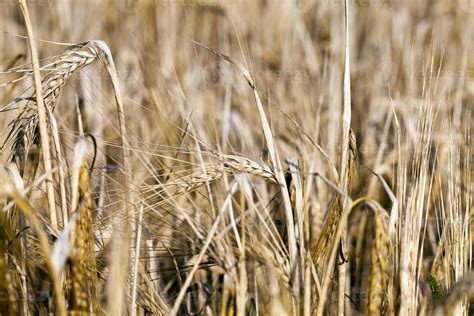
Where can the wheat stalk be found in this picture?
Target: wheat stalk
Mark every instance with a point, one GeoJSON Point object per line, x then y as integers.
{"type": "Point", "coordinates": [40, 102]}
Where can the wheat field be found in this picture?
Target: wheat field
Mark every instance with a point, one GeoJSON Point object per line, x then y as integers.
{"type": "Point", "coordinates": [247, 157]}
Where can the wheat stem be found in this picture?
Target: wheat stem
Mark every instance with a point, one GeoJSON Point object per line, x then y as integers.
{"type": "Point", "coordinates": [345, 135]}
{"type": "Point", "coordinates": [41, 116]}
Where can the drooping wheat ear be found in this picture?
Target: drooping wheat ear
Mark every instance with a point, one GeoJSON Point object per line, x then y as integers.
{"type": "Point", "coordinates": [196, 180]}
{"type": "Point", "coordinates": [238, 164]}
{"type": "Point", "coordinates": [23, 129]}
{"type": "Point", "coordinates": [231, 164]}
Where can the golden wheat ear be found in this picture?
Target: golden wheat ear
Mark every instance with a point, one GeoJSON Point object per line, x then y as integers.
{"type": "Point", "coordinates": [24, 128]}
{"type": "Point", "coordinates": [229, 165]}
{"type": "Point", "coordinates": [12, 190]}
{"type": "Point", "coordinates": [8, 284]}
{"type": "Point", "coordinates": [380, 266]}
{"type": "Point", "coordinates": [82, 277]}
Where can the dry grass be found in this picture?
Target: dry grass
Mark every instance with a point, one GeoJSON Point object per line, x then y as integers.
{"type": "Point", "coordinates": [236, 157]}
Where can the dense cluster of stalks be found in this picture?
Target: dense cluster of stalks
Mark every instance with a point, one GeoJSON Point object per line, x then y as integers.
{"type": "Point", "coordinates": [318, 159]}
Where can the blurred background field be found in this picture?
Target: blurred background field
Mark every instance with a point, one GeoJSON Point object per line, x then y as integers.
{"type": "Point", "coordinates": [199, 200]}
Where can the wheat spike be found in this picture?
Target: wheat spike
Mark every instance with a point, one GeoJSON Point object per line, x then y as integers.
{"type": "Point", "coordinates": [231, 164]}
{"type": "Point", "coordinates": [24, 128]}
{"type": "Point", "coordinates": [83, 264]}
{"type": "Point", "coordinates": [379, 267]}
